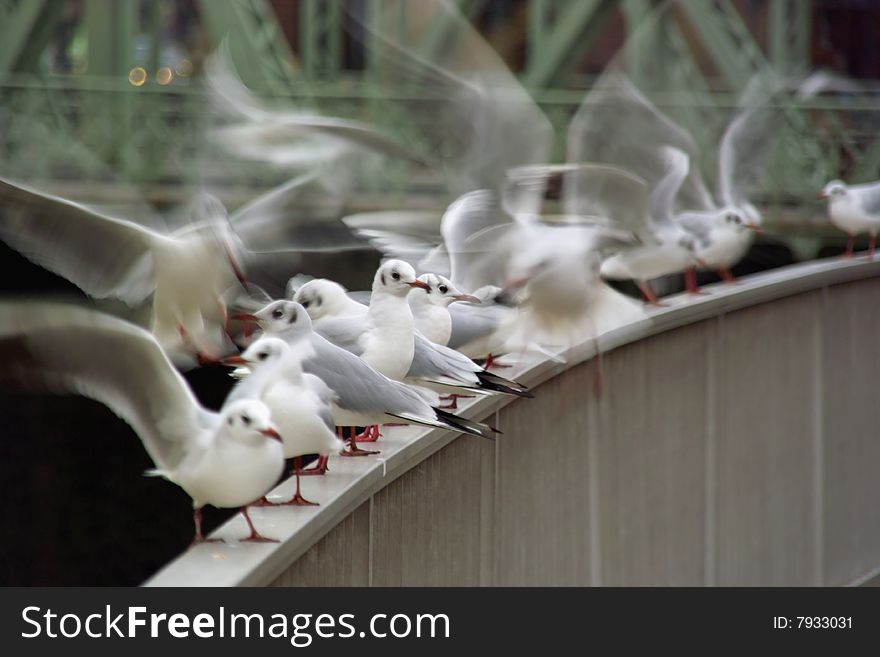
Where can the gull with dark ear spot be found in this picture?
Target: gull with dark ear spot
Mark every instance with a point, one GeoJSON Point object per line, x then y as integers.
{"type": "Point", "coordinates": [226, 459]}
{"type": "Point", "coordinates": [299, 402]}
{"type": "Point", "coordinates": [854, 209]}
{"type": "Point", "coordinates": [430, 306]}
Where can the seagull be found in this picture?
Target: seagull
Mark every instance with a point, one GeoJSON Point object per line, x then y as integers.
{"type": "Point", "coordinates": [383, 336]}
{"type": "Point", "coordinates": [300, 403]}
{"type": "Point", "coordinates": [665, 246]}
{"type": "Point", "coordinates": [362, 396]}
{"type": "Point", "coordinates": [430, 307]}
{"type": "Point", "coordinates": [854, 209]}
{"type": "Point", "coordinates": [287, 137]}
{"type": "Point", "coordinates": [326, 300]}
{"type": "Point", "coordinates": [186, 271]}
{"type": "Point", "coordinates": [226, 459]}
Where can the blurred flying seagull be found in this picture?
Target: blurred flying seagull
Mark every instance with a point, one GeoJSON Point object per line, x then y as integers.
{"type": "Point", "coordinates": [186, 271]}
{"type": "Point", "coordinates": [285, 137]}
{"type": "Point", "coordinates": [226, 459]}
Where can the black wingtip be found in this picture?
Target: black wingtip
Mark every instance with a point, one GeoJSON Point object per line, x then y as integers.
{"type": "Point", "coordinates": [489, 381]}
{"type": "Point", "coordinates": [466, 426]}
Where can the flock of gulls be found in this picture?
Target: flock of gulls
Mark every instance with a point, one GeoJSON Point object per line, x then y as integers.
{"type": "Point", "coordinates": [518, 266]}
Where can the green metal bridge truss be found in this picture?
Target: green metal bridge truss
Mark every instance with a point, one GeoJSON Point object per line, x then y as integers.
{"type": "Point", "coordinates": [115, 104]}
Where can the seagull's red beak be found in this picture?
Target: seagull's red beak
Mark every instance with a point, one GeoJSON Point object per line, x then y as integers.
{"type": "Point", "coordinates": [421, 284]}
{"type": "Point", "coordinates": [755, 227]}
{"type": "Point", "coordinates": [821, 195]}
{"type": "Point", "coordinates": [271, 433]}
{"type": "Point", "coordinates": [233, 361]}
{"type": "Point", "coordinates": [467, 298]}
{"type": "Point", "coordinates": [245, 317]}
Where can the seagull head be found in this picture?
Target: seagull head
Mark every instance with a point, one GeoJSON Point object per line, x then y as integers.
{"type": "Point", "coordinates": [396, 278]}
{"type": "Point", "coordinates": [440, 291]}
{"type": "Point", "coordinates": [266, 350]}
{"type": "Point", "coordinates": [753, 217]}
{"type": "Point", "coordinates": [249, 422]}
{"type": "Point", "coordinates": [834, 189]}
{"type": "Point", "coordinates": [283, 316]}
{"type": "Point", "coordinates": [322, 297]}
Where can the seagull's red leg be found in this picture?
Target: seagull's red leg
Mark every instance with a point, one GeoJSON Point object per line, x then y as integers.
{"type": "Point", "coordinates": [370, 435]}
{"type": "Point", "coordinates": [453, 400]}
{"type": "Point", "coordinates": [648, 293]}
{"type": "Point", "coordinates": [491, 361]}
{"type": "Point", "coordinates": [850, 245]}
{"type": "Point", "coordinates": [353, 449]}
{"type": "Point", "coordinates": [200, 537]}
{"type": "Point", "coordinates": [319, 468]}
{"type": "Point", "coordinates": [690, 281]}
{"type": "Point", "coordinates": [726, 276]}
{"type": "Point", "coordinates": [872, 244]}
{"type": "Point", "coordinates": [263, 501]}
{"type": "Point", "coordinates": [298, 499]}
{"type": "Point", "coordinates": [255, 536]}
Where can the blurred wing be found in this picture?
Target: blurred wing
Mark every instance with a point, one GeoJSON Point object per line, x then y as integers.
{"type": "Point", "coordinates": [471, 322]}
{"type": "Point", "coordinates": [474, 118]}
{"type": "Point", "coordinates": [286, 137]}
{"type": "Point", "coordinates": [664, 194]}
{"type": "Point", "coordinates": [746, 143]}
{"type": "Point", "coordinates": [467, 216]}
{"type": "Point", "coordinates": [616, 124]}
{"type": "Point", "coordinates": [103, 256]}
{"type": "Point", "coordinates": [64, 349]}
{"type": "Point", "coordinates": [296, 216]}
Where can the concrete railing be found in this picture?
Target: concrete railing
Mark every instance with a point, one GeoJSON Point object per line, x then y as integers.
{"type": "Point", "coordinates": [734, 443]}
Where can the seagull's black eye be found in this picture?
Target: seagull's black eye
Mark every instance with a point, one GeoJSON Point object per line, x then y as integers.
{"type": "Point", "coordinates": [246, 419]}
{"type": "Point", "coordinates": [263, 355]}
{"type": "Point", "coordinates": [395, 276]}
{"type": "Point", "coordinates": [305, 304]}
{"type": "Point", "coordinates": [277, 313]}
{"type": "Point", "coordinates": [443, 289]}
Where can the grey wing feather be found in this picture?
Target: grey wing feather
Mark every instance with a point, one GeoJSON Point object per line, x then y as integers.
{"type": "Point", "coordinates": [433, 362]}
{"type": "Point", "coordinates": [357, 386]}
{"type": "Point", "coordinates": [103, 256]}
{"type": "Point", "coordinates": [472, 322]}
{"type": "Point", "coordinates": [664, 193]}
{"type": "Point", "coordinates": [64, 349]}
{"type": "Point", "coordinates": [869, 197]}
{"type": "Point", "coordinates": [344, 332]}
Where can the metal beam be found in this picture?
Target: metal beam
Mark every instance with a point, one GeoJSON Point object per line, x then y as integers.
{"type": "Point", "coordinates": [789, 29]}
{"type": "Point", "coordinates": [726, 39]}
{"type": "Point", "coordinates": [440, 30]}
{"type": "Point", "coordinates": [575, 29]}
{"type": "Point", "coordinates": [19, 23]}
{"type": "Point", "coordinates": [258, 47]}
